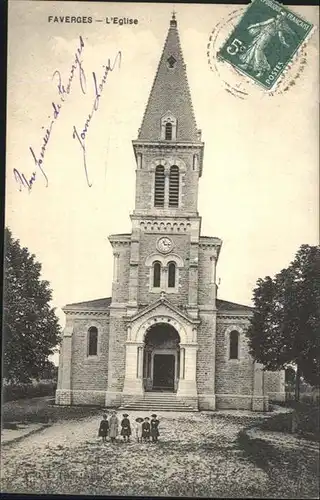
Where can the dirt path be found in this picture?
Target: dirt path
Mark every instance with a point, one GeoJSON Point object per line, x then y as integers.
{"type": "Point", "coordinates": [198, 455]}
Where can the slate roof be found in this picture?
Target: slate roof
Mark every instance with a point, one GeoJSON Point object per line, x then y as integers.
{"type": "Point", "coordinates": [225, 305]}
{"type": "Point", "coordinates": [170, 92]}
{"type": "Point", "coordinates": [92, 304]}
{"type": "Point", "coordinates": [104, 303]}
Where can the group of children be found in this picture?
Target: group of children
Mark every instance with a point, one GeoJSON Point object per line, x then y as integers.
{"type": "Point", "coordinates": [144, 428]}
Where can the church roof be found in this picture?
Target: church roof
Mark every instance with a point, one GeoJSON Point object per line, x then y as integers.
{"type": "Point", "coordinates": [225, 305]}
{"type": "Point", "coordinates": [104, 303]}
{"type": "Point", "coordinates": [92, 304]}
{"type": "Point", "coordinates": [170, 93]}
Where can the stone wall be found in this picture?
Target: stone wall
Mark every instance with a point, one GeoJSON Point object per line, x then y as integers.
{"type": "Point", "coordinates": [234, 377]}
{"type": "Point", "coordinates": [206, 362]}
{"type": "Point", "coordinates": [90, 372]}
{"type": "Point", "coordinates": [189, 179]}
{"type": "Point", "coordinates": [204, 276]}
{"type": "Point", "coordinates": [120, 288]}
{"type": "Point", "coordinates": [147, 247]}
{"type": "Point", "coordinates": [117, 353]}
{"type": "Point", "coordinates": [274, 385]}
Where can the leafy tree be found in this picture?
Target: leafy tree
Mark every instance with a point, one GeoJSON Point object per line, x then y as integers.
{"type": "Point", "coordinates": [285, 325]}
{"type": "Point", "coordinates": [49, 371]}
{"type": "Point", "coordinates": [30, 325]}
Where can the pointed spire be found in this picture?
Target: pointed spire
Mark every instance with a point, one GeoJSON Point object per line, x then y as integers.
{"type": "Point", "coordinates": [170, 93]}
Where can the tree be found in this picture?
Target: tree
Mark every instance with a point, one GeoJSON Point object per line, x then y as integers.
{"type": "Point", "coordinates": [290, 376]}
{"type": "Point", "coordinates": [285, 325]}
{"type": "Point", "coordinates": [30, 325]}
{"type": "Point", "coordinates": [49, 371]}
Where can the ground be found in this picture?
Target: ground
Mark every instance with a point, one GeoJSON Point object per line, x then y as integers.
{"type": "Point", "coordinates": [220, 454]}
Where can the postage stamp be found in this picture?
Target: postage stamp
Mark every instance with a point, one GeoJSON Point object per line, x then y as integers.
{"type": "Point", "coordinates": [265, 41]}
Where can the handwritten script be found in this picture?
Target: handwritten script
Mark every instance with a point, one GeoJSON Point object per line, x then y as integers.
{"type": "Point", "coordinates": [98, 88]}
{"type": "Point", "coordinates": [64, 89]}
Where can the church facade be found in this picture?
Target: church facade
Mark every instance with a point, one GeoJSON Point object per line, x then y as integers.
{"type": "Point", "coordinates": [164, 331]}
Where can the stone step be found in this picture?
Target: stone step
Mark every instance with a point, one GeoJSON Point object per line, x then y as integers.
{"type": "Point", "coordinates": [164, 400]}
{"type": "Point", "coordinates": [156, 402]}
{"type": "Point", "coordinates": [160, 408]}
{"type": "Point", "coordinates": [153, 398]}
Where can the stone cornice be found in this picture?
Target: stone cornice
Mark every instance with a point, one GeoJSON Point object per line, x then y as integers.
{"type": "Point", "coordinates": [120, 240]}
{"type": "Point", "coordinates": [86, 312]}
{"type": "Point", "coordinates": [168, 217]}
{"type": "Point", "coordinates": [209, 242]}
{"type": "Point", "coordinates": [231, 317]}
{"type": "Point", "coordinates": [167, 144]}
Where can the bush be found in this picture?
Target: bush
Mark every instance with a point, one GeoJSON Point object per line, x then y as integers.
{"type": "Point", "coordinates": [308, 420]}
{"type": "Point", "coordinates": [41, 411]}
{"type": "Point", "coordinates": [13, 392]}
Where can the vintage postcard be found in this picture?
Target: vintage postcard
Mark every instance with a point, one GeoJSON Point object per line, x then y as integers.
{"type": "Point", "coordinates": [156, 185]}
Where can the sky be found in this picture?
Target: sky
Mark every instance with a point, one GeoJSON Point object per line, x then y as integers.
{"type": "Point", "coordinates": [259, 189]}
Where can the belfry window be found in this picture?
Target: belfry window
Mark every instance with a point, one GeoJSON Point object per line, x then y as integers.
{"type": "Point", "coordinates": [159, 187]}
{"type": "Point", "coordinates": [174, 186]}
{"type": "Point", "coordinates": [234, 345]}
{"type": "Point", "coordinates": [168, 132]}
{"type": "Point", "coordinates": [93, 341]}
{"type": "Point", "coordinates": [168, 127]}
{"type": "Point", "coordinates": [156, 274]}
{"type": "Point", "coordinates": [171, 275]}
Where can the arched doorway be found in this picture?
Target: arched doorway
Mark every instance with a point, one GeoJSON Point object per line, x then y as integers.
{"type": "Point", "coordinates": [161, 360]}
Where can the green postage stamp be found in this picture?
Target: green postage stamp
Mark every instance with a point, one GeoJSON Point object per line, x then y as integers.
{"type": "Point", "coordinates": [265, 41]}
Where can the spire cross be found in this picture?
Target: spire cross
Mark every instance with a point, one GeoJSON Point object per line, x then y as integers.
{"type": "Point", "coordinates": [173, 21]}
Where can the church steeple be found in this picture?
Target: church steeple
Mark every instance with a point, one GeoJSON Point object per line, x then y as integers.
{"type": "Point", "coordinates": [168, 151]}
{"type": "Point", "coordinates": [170, 98]}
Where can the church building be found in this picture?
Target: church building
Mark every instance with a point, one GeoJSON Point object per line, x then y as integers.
{"type": "Point", "coordinates": [164, 340]}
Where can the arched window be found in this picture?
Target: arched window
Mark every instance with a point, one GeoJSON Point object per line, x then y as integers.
{"type": "Point", "coordinates": [93, 341]}
{"type": "Point", "coordinates": [171, 275]}
{"type": "Point", "coordinates": [234, 345]}
{"type": "Point", "coordinates": [174, 186]}
{"type": "Point", "coordinates": [156, 275]}
{"type": "Point", "coordinates": [168, 125]}
{"type": "Point", "coordinates": [159, 187]}
{"type": "Point", "coordinates": [168, 131]}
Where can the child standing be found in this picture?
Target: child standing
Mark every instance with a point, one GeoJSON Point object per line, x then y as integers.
{"type": "Point", "coordinates": [113, 426]}
{"type": "Point", "coordinates": [125, 428]}
{"type": "Point", "coordinates": [146, 430]}
{"type": "Point", "coordinates": [104, 428]}
{"type": "Point", "coordinates": [139, 421]}
{"type": "Point", "coordinates": [154, 424]}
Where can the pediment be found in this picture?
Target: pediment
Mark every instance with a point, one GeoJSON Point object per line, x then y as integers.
{"type": "Point", "coordinates": [165, 308]}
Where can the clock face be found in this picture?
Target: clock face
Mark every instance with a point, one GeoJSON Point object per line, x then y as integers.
{"type": "Point", "coordinates": [165, 245]}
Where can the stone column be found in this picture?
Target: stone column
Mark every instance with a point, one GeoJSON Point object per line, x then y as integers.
{"type": "Point", "coordinates": [133, 371]}
{"type": "Point", "coordinates": [213, 259]}
{"type": "Point", "coordinates": [133, 272]}
{"type": "Point", "coordinates": [188, 385]}
{"type": "Point", "coordinates": [116, 267]}
{"type": "Point", "coordinates": [182, 358]}
{"type": "Point", "coordinates": [193, 275]}
{"type": "Point", "coordinates": [259, 402]}
{"type": "Point", "coordinates": [140, 362]}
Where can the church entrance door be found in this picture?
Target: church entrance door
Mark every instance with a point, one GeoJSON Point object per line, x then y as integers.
{"type": "Point", "coordinates": [163, 372]}
{"type": "Point", "coordinates": [161, 360]}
